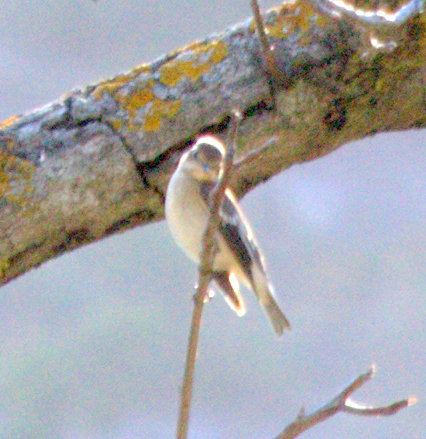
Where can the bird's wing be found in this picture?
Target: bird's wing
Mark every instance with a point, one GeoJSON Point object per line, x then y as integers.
{"type": "Point", "coordinates": [236, 231]}
{"type": "Point", "coordinates": [240, 240]}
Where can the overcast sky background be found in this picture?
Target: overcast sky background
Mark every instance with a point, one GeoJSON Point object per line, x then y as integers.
{"type": "Point", "coordinates": [93, 343]}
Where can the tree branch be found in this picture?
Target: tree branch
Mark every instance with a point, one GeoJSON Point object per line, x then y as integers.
{"type": "Point", "coordinates": [204, 278]}
{"type": "Point", "coordinates": [379, 17]}
{"type": "Point", "coordinates": [342, 404]}
{"type": "Point", "coordinates": [98, 161]}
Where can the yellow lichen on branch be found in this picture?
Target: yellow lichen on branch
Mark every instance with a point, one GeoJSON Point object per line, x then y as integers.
{"type": "Point", "coordinates": [15, 175]}
{"type": "Point", "coordinates": [8, 122]}
{"type": "Point", "coordinates": [199, 62]}
{"type": "Point", "coordinates": [144, 108]}
{"type": "Point", "coordinates": [293, 19]}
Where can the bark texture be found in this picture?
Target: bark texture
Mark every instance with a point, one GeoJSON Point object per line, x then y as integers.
{"type": "Point", "coordinates": [98, 160]}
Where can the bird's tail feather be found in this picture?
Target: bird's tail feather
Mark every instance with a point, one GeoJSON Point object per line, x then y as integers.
{"type": "Point", "coordinates": [264, 293]}
{"type": "Point", "coordinates": [276, 317]}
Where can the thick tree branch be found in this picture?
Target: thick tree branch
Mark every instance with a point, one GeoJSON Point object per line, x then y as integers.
{"type": "Point", "coordinates": [98, 161]}
{"type": "Point", "coordinates": [342, 404]}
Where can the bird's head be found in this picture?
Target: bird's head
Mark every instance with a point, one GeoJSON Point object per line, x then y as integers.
{"type": "Point", "coordinates": [204, 160]}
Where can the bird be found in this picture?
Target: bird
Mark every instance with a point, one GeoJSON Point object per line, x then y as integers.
{"type": "Point", "coordinates": [238, 258]}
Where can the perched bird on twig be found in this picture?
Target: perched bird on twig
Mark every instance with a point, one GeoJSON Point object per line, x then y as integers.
{"type": "Point", "coordinates": [237, 257]}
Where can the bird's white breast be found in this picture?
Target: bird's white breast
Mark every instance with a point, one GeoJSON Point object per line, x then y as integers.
{"type": "Point", "coordinates": [186, 214]}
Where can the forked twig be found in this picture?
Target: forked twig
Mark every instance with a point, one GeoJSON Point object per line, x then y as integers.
{"type": "Point", "coordinates": [204, 277]}
{"type": "Point", "coordinates": [342, 404]}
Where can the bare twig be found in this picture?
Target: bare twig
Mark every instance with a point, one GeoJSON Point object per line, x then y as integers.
{"type": "Point", "coordinates": [204, 277]}
{"type": "Point", "coordinates": [342, 404]}
{"type": "Point", "coordinates": [273, 73]}
{"type": "Point", "coordinates": [266, 49]}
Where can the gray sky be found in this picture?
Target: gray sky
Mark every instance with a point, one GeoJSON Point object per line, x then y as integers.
{"type": "Point", "coordinates": [93, 343]}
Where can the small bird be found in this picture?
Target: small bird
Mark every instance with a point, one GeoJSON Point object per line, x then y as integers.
{"type": "Point", "coordinates": [238, 258]}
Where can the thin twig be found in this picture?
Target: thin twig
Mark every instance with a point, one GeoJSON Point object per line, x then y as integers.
{"type": "Point", "coordinates": [274, 74]}
{"type": "Point", "coordinates": [341, 404]}
{"type": "Point", "coordinates": [204, 277]}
